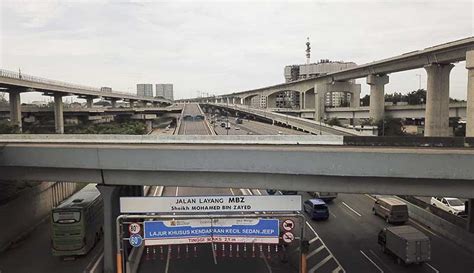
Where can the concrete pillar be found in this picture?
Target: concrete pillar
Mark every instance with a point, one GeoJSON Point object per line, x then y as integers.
{"type": "Point", "coordinates": [110, 195]}
{"type": "Point", "coordinates": [156, 104]}
{"type": "Point", "coordinates": [437, 100]}
{"type": "Point", "coordinates": [113, 103]}
{"type": "Point", "coordinates": [227, 100]}
{"type": "Point", "coordinates": [302, 97]}
{"type": "Point", "coordinates": [58, 114]}
{"type": "Point", "coordinates": [355, 96]}
{"type": "Point", "coordinates": [90, 102]}
{"type": "Point", "coordinates": [15, 109]}
{"type": "Point", "coordinates": [132, 102]}
{"type": "Point", "coordinates": [320, 90]}
{"type": "Point", "coordinates": [470, 215]}
{"type": "Point", "coordinates": [233, 100]}
{"type": "Point", "coordinates": [377, 96]}
{"type": "Point", "coordinates": [149, 125]}
{"type": "Point", "coordinates": [470, 94]}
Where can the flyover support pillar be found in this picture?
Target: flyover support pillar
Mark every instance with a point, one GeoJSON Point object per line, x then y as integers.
{"type": "Point", "coordinates": [113, 103]}
{"type": "Point", "coordinates": [302, 97]}
{"type": "Point", "coordinates": [319, 92]}
{"type": "Point", "coordinates": [58, 114]}
{"type": "Point", "coordinates": [131, 103]}
{"type": "Point", "coordinates": [437, 100]}
{"type": "Point", "coordinates": [15, 109]}
{"type": "Point", "coordinates": [233, 100]}
{"type": "Point", "coordinates": [377, 96]}
{"type": "Point", "coordinates": [90, 102]}
{"type": "Point", "coordinates": [110, 195]}
{"type": "Point", "coordinates": [470, 94]}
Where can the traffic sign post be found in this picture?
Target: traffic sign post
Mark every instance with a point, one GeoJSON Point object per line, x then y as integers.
{"type": "Point", "coordinates": [236, 234]}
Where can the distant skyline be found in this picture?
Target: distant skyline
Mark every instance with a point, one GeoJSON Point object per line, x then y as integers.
{"type": "Point", "coordinates": [220, 47]}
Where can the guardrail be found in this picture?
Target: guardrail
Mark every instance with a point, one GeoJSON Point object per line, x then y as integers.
{"type": "Point", "coordinates": [35, 79]}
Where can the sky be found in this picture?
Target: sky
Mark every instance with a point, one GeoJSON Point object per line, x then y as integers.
{"type": "Point", "coordinates": [220, 47]}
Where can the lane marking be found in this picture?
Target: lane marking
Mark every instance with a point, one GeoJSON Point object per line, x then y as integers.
{"type": "Point", "coordinates": [156, 190]}
{"type": "Point", "coordinates": [373, 199]}
{"type": "Point", "coordinates": [353, 210]}
{"type": "Point", "coordinates": [267, 264]}
{"type": "Point", "coordinates": [177, 190]}
{"type": "Point", "coordinates": [370, 260]}
{"type": "Point", "coordinates": [432, 267]}
{"type": "Point", "coordinates": [321, 263]}
{"type": "Point", "coordinates": [422, 227]}
{"type": "Point", "coordinates": [168, 260]}
{"type": "Point", "coordinates": [333, 215]}
{"type": "Point", "coordinates": [258, 191]}
{"type": "Point", "coordinates": [378, 258]}
{"type": "Point", "coordinates": [232, 191]}
{"type": "Point", "coordinates": [314, 252]}
{"type": "Point", "coordinates": [322, 242]}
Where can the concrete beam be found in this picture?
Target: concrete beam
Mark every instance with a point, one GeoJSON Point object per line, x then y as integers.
{"type": "Point", "coordinates": [58, 113]}
{"type": "Point", "coordinates": [15, 109]}
{"type": "Point", "coordinates": [381, 170]}
{"type": "Point", "coordinates": [470, 94]}
{"type": "Point", "coordinates": [377, 96]}
{"type": "Point", "coordinates": [437, 100]}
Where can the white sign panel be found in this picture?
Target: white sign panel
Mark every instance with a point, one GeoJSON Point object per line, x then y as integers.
{"type": "Point", "coordinates": [206, 204]}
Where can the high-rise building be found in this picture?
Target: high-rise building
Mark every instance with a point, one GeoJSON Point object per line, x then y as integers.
{"type": "Point", "coordinates": [145, 90]}
{"type": "Point", "coordinates": [312, 70]}
{"type": "Point", "coordinates": [164, 90]}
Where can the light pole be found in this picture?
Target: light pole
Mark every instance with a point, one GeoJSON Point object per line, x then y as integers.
{"type": "Point", "coordinates": [320, 124]}
{"type": "Point", "coordinates": [419, 81]}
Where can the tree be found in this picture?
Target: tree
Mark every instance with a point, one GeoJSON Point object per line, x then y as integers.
{"type": "Point", "coordinates": [365, 101]}
{"type": "Point", "coordinates": [334, 122]}
{"type": "Point", "coordinates": [389, 126]}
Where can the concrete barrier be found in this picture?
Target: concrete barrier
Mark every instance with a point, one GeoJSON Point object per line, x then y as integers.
{"type": "Point", "coordinates": [458, 235]}
{"type": "Point", "coordinates": [23, 217]}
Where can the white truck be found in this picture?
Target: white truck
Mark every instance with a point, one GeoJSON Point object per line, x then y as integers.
{"type": "Point", "coordinates": [406, 243]}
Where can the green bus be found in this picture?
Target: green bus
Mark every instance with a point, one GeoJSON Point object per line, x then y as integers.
{"type": "Point", "coordinates": [77, 222]}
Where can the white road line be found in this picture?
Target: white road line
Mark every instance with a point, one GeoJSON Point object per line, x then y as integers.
{"type": "Point", "coordinates": [378, 258]}
{"type": "Point", "coordinates": [333, 215]}
{"type": "Point", "coordinates": [232, 191]}
{"type": "Point", "coordinates": [321, 263]}
{"type": "Point", "coordinates": [422, 227]}
{"type": "Point", "coordinates": [370, 260]}
{"type": "Point", "coordinates": [168, 260]}
{"type": "Point", "coordinates": [330, 253]}
{"type": "Point", "coordinates": [177, 190]}
{"type": "Point", "coordinates": [156, 190]}
{"type": "Point", "coordinates": [314, 252]}
{"type": "Point", "coordinates": [353, 210]}
{"type": "Point", "coordinates": [267, 264]}
{"type": "Point", "coordinates": [432, 267]}
{"type": "Point", "coordinates": [368, 195]}
{"type": "Point", "coordinates": [258, 191]}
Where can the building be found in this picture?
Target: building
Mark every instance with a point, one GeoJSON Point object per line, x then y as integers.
{"type": "Point", "coordinates": [312, 70]}
{"type": "Point", "coordinates": [337, 99]}
{"type": "Point", "coordinates": [106, 89]}
{"type": "Point", "coordinates": [145, 90]}
{"type": "Point", "coordinates": [164, 90]}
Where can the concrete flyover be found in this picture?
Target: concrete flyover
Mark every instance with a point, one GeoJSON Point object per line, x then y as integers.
{"type": "Point", "coordinates": [16, 83]}
{"type": "Point", "coordinates": [310, 126]}
{"type": "Point", "coordinates": [304, 163]}
{"type": "Point", "coordinates": [437, 60]}
{"type": "Point", "coordinates": [456, 109]}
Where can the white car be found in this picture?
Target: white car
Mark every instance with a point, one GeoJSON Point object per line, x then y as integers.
{"type": "Point", "coordinates": [449, 204]}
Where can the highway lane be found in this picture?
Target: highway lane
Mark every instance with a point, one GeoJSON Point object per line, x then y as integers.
{"type": "Point", "coordinates": [351, 233]}
{"type": "Point", "coordinates": [33, 254]}
{"type": "Point", "coordinates": [201, 257]}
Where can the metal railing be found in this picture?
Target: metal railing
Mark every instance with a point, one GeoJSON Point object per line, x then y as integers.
{"type": "Point", "coordinates": [35, 79]}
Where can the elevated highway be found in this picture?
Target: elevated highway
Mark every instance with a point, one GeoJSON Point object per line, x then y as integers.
{"type": "Point", "coordinates": [318, 163]}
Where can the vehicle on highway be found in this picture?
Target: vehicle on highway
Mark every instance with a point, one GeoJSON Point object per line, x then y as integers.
{"type": "Point", "coordinates": [223, 124]}
{"type": "Point", "coordinates": [289, 192]}
{"type": "Point", "coordinates": [237, 128]}
{"type": "Point", "coordinates": [391, 209]}
{"type": "Point", "coordinates": [406, 243]}
{"type": "Point", "coordinates": [449, 204]}
{"type": "Point", "coordinates": [227, 126]}
{"type": "Point", "coordinates": [326, 196]}
{"type": "Point", "coordinates": [77, 222]}
{"type": "Point", "coordinates": [271, 192]}
{"type": "Point", "coordinates": [317, 209]}
{"type": "Point", "coordinates": [238, 120]}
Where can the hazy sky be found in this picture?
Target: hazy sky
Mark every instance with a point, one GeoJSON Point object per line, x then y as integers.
{"type": "Point", "coordinates": [221, 46]}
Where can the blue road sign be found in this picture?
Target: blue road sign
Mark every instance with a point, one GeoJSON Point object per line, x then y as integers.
{"type": "Point", "coordinates": [135, 240]}
{"type": "Point", "coordinates": [211, 230]}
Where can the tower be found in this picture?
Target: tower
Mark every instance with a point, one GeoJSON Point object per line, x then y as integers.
{"type": "Point", "coordinates": [308, 51]}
